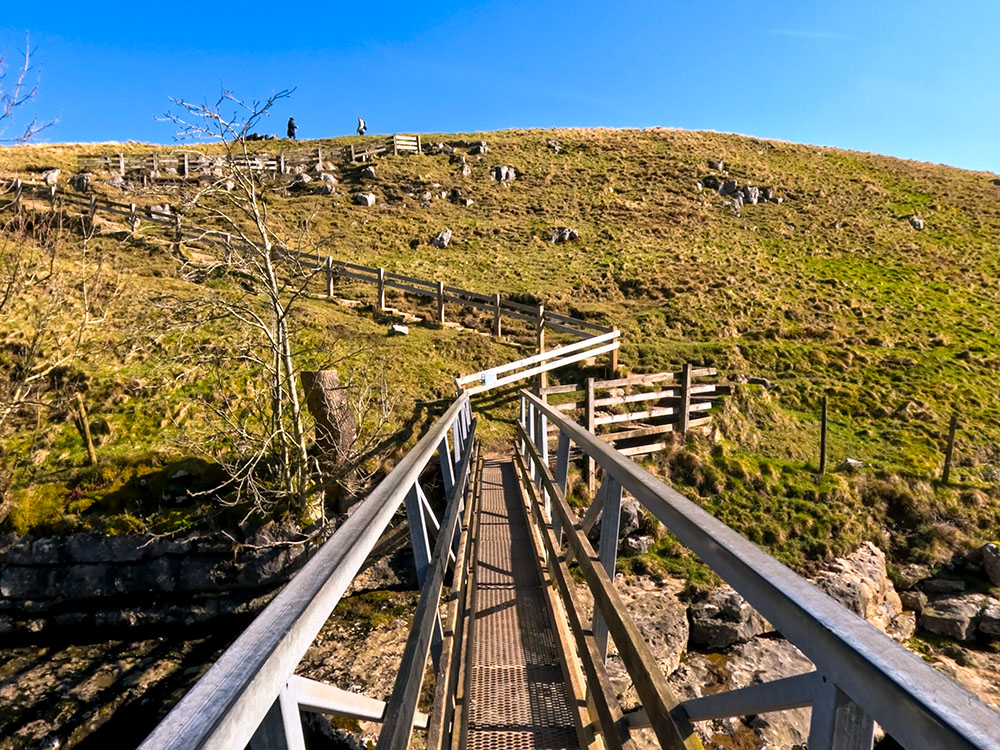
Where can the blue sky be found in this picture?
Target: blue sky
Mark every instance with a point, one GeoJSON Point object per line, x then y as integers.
{"type": "Point", "coordinates": [914, 79]}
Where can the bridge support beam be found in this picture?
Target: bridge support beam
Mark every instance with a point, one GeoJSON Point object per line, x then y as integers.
{"type": "Point", "coordinates": [282, 726]}
{"type": "Point", "coordinates": [611, 490]}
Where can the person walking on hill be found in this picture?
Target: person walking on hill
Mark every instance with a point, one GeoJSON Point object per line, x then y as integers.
{"type": "Point", "coordinates": [362, 126]}
{"type": "Point", "coordinates": [292, 127]}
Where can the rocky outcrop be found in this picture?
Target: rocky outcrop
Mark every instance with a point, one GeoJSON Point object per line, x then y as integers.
{"type": "Point", "coordinates": [952, 616]}
{"type": "Point", "coordinates": [441, 239]}
{"type": "Point", "coordinates": [81, 182]}
{"type": "Point", "coordinates": [364, 199]}
{"type": "Point", "coordinates": [368, 173]}
{"type": "Point", "coordinates": [50, 176]}
{"type": "Point", "coordinates": [991, 563]}
{"type": "Point", "coordinates": [503, 174]}
{"type": "Point", "coordinates": [89, 580]}
{"type": "Point", "coordinates": [860, 583]}
{"type": "Point", "coordinates": [724, 618]}
{"type": "Point", "coordinates": [564, 234]}
{"type": "Point", "coordinates": [553, 145]}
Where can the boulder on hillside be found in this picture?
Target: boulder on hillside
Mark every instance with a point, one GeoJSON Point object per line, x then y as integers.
{"type": "Point", "coordinates": [953, 616]}
{"type": "Point", "coordinates": [368, 173]}
{"type": "Point", "coordinates": [917, 223]}
{"type": "Point", "coordinates": [860, 583]}
{"type": "Point", "coordinates": [751, 194]}
{"type": "Point", "coordinates": [503, 174]}
{"type": "Point", "coordinates": [711, 182]}
{"type": "Point", "coordinates": [989, 619]}
{"type": "Point", "coordinates": [724, 618]}
{"type": "Point", "coordinates": [465, 170]}
{"type": "Point", "coordinates": [80, 182]}
{"type": "Point", "coordinates": [478, 147]}
{"type": "Point", "coordinates": [996, 181]}
{"type": "Point", "coordinates": [457, 158]}
{"type": "Point", "coordinates": [116, 181]}
{"type": "Point", "coordinates": [554, 145]}
{"type": "Point", "coordinates": [991, 562]}
{"type": "Point", "coordinates": [637, 544]}
{"type": "Point", "coordinates": [729, 187]}
{"type": "Point", "coordinates": [441, 239]}
{"type": "Point", "coordinates": [629, 519]}
{"type": "Point", "coordinates": [767, 194]}
{"type": "Point", "coordinates": [715, 164]}
{"type": "Point", "coordinates": [363, 199]}
{"type": "Point", "coordinates": [564, 234]}
{"type": "Point", "coordinates": [50, 176]}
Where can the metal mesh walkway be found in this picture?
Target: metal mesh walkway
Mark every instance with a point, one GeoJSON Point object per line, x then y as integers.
{"type": "Point", "coordinates": [517, 698]}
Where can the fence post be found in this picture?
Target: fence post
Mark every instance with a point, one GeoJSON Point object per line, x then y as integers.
{"type": "Point", "coordinates": [187, 168]}
{"type": "Point", "coordinates": [591, 469]}
{"type": "Point", "coordinates": [949, 451]}
{"type": "Point", "coordinates": [420, 148]}
{"type": "Point", "coordinates": [614, 357]}
{"type": "Point", "coordinates": [543, 377]}
{"type": "Point", "coordinates": [684, 417]}
{"type": "Point", "coordinates": [155, 163]}
{"type": "Point", "coordinates": [132, 218]}
{"type": "Point", "coordinates": [121, 164]}
{"type": "Point", "coordinates": [328, 268]}
{"type": "Point", "coordinates": [319, 156]}
{"type": "Point", "coordinates": [561, 477]}
{"type": "Point", "coordinates": [440, 299]}
{"type": "Point", "coordinates": [17, 196]}
{"type": "Point", "coordinates": [52, 198]}
{"type": "Point", "coordinates": [496, 315]}
{"type": "Point", "coordinates": [822, 440]}
{"type": "Point", "coordinates": [178, 235]}
{"type": "Point", "coordinates": [381, 289]}
{"type": "Point", "coordinates": [608, 549]}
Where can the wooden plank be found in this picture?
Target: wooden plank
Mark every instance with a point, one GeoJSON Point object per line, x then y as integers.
{"type": "Point", "coordinates": [651, 378]}
{"type": "Point", "coordinates": [467, 293]}
{"type": "Point", "coordinates": [654, 395]}
{"type": "Point", "coordinates": [518, 305]}
{"type": "Point", "coordinates": [566, 329]}
{"type": "Point", "coordinates": [544, 367]}
{"type": "Point", "coordinates": [659, 411]}
{"type": "Point", "coordinates": [579, 322]}
{"type": "Point", "coordinates": [541, 357]}
{"type": "Point", "coordinates": [553, 389]}
{"type": "Point", "coordinates": [615, 730]}
{"type": "Point", "coordinates": [672, 730]}
{"type": "Point", "coordinates": [321, 698]}
{"type": "Point", "coordinates": [407, 288]}
{"type": "Point", "coordinates": [611, 437]}
{"type": "Point", "coordinates": [411, 279]}
{"type": "Point", "coordinates": [517, 315]}
{"type": "Point", "coordinates": [467, 302]}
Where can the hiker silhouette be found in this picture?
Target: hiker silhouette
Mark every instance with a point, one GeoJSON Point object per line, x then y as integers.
{"type": "Point", "coordinates": [362, 126]}
{"type": "Point", "coordinates": [292, 127]}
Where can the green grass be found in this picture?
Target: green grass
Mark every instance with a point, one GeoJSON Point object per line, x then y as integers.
{"type": "Point", "coordinates": [830, 293]}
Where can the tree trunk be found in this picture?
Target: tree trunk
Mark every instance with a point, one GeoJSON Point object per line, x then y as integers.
{"type": "Point", "coordinates": [336, 434]}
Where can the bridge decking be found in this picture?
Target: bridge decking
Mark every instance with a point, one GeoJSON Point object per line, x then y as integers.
{"type": "Point", "coordinates": [517, 697]}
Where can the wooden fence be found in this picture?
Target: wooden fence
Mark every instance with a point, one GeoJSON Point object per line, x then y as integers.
{"type": "Point", "coordinates": [634, 414]}
{"type": "Point", "coordinates": [187, 164]}
{"type": "Point", "coordinates": [328, 267]}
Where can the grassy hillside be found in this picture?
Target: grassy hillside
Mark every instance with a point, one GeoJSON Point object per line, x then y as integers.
{"type": "Point", "coordinates": [831, 292]}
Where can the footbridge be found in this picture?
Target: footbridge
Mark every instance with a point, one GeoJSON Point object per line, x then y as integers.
{"type": "Point", "coordinates": [504, 652]}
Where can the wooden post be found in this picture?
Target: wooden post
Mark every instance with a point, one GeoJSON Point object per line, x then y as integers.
{"type": "Point", "coordinates": [132, 218]}
{"type": "Point", "coordinates": [684, 416]}
{"type": "Point", "coordinates": [608, 550]}
{"type": "Point", "coordinates": [319, 155]}
{"type": "Point", "coordinates": [614, 358]}
{"type": "Point", "coordinates": [92, 213]}
{"type": "Point", "coordinates": [52, 198]}
{"type": "Point", "coordinates": [543, 377]}
{"type": "Point", "coordinates": [395, 149]}
{"type": "Point", "coordinates": [440, 296]}
{"type": "Point", "coordinates": [121, 164]}
{"type": "Point", "coordinates": [497, 330]}
{"type": "Point", "coordinates": [420, 148]}
{"type": "Point", "coordinates": [281, 162]}
{"type": "Point", "coordinates": [328, 267]}
{"type": "Point", "coordinates": [590, 466]}
{"type": "Point", "coordinates": [156, 163]}
{"type": "Point", "coordinates": [381, 289]}
{"type": "Point", "coordinates": [178, 234]}
{"type": "Point", "coordinates": [352, 153]}
{"type": "Point", "coordinates": [949, 451]}
{"type": "Point", "coordinates": [187, 166]}
{"type": "Point", "coordinates": [85, 430]}
{"type": "Point", "coordinates": [17, 196]}
{"type": "Point", "coordinates": [822, 440]}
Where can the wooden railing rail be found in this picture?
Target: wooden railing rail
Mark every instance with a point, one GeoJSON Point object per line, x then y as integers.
{"type": "Point", "coordinates": [862, 676]}
{"type": "Point", "coordinates": [250, 696]}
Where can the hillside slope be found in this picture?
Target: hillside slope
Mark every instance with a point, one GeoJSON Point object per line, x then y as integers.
{"type": "Point", "coordinates": [832, 291]}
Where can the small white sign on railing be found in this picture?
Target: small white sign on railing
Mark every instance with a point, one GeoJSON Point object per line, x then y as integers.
{"type": "Point", "coordinates": [488, 378]}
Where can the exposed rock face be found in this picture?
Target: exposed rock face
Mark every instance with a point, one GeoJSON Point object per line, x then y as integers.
{"type": "Point", "coordinates": [991, 563]}
{"type": "Point", "coordinates": [554, 145]}
{"type": "Point", "coordinates": [860, 583]}
{"type": "Point", "coordinates": [336, 433]}
{"type": "Point", "coordinates": [441, 239]}
{"type": "Point", "coordinates": [757, 661]}
{"type": "Point", "coordinates": [751, 194]}
{"type": "Point", "coordinates": [503, 174]}
{"type": "Point", "coordinates": [564, 234]}
{"type": "Point", "coordinates": [50, 176]}
{"type": "Point", "coordinates": [953, 616]}
{"type": "Point", "coordinates": [629, 519]}
{"type": "Point", "coordinates": [364, 199]}
{"type": "Point", "coordinates": [711, 182]}
{"type": "Point", "coordinates": [117, 181]}
{"type": "Point", "coordinates": [989, 619]}
{"type": "Point", "coordinates": [729, 187]}
{"type": "Point", "coordinates": [478, 148]}
{"type": "Point", "coordinates": [637, 544]}
{"type": "Point", "coordinates": [724, 618]}
{"type": "Point", "coordinates": [917, 223]}
{"type": "Point", "coordinates": [465, 170]}
{"type": "Point", "coordinates": [80, 182]}
{"type": "Point", "coordinates": [368, 173]}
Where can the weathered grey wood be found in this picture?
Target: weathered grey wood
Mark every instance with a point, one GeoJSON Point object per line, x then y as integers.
{"type": "Point", "coordinates": [778, 695]}
{"type": "Point", "coordinates": [447, 467]}
{"type": "Point", "coordinates": [685, 407]}
{"type": "Point", "coordinates": [380, 297]}
{"type": "Point", "coordinates": [281, 728]}
{"type": "Point", "coordinates": [609, 714]}
{"type": "Point", "coordinates": [590, 424]}
{"type": "Point", "coordinates": [402, 704]}
{"type": "Point", "coordinates": [497, 330]}
{"type": "Point", "coordinates": [543, 379]}
{"type": "Point", "coordinates": [672, 730]}
{"type": "Point", "coordinates": [656, 411]}
{"type": "Point", "coordinates": [321, 698]}
{"type": "Point", "coordinates": [614, 360]}
{"type": "Point", "coordinates": [822, 439]}
{"type": "Point", "coordinates": [631, 398]}
{"type": "Point", "coordinates": [652, 378]}
{"type": "Point", "coordinates": [613, 437]}
{"type": "Point", "coordinates": [550, 365]}
{"type": "Point", "coordinates": [419, 538]}
{"type": "Point", "coordinates": [950, 449]}
{"type": "Point", "coordinates": [562, 478]}
{"type": "Point", "coordinates": [569, 388]}
{"type": "Point", "coordinates": [328, 268]}
{"type": "Point", "coordinates": [440, 302]}
{"type": "Point", "coordinates": [837, 723]}
{"type": "Point", "coordinates": [608, 549]}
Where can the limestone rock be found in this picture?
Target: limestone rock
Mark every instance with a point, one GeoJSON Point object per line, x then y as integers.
{"type": "Point", "coordinates": [554, 145]}
{"type": "Point", "coordinates": [478, 148]}
{"type": "Point", "coordinates": [503, 174]}
{"type": "Point", "coordinates": [564, 234]}
{"type": "Point", "coordinates": [914, 600]}
{"type": "Point", "coordinates": [902, 627]}
{"type": "Point", "coordinates": [80, 182]}
{"type": "Point", "coordinates": [942, 586]}
{"type": "Point", "coordinates": [398, 330]}
{"type": "Point", "coordinates": [637, 544]}
{"type": "Point", "coordinates": [441, 239]}
{"type": "Point", "coordinates": [117, 181]}
{"type": "Point", "coordinates": [715, 164]}
{"type": "Point", "coordinates": [50, 176]}
{"type": "Point", "coordinates": [729, 187]}
{"type": "Point", "coordinates": [991, 562]}
{"type": "Point", "coordinates": [368, 173]}
{"type": "Point", "coordinates": [989, 618]}
{"type": "Point", "coordinates": [724, 618]}
{"type": "Point", "coordinates": [711, 182]}
{"type": "Point", "coordinates": [751, 194]}
{"type": "Point", "coordinates": [912, 574]}
{"type": "Point", "coordinates": [465, 170]}
{"type": "Point", "coordinates": [917, 223]}
{"type": "Point", "coordinates": [860, 583]}
{"type": "Point", "coordinates": [629, 520]}
{"type": "Point", "coordinates": [952, 616]}
{"type": "Point", "coordinates": [364, 199]}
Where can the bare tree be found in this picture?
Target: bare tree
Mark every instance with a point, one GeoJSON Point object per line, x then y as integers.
{"type": "Point", "coordinates": [19, 86]}
{"type": "Point", "coordinates": [275, 458]}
